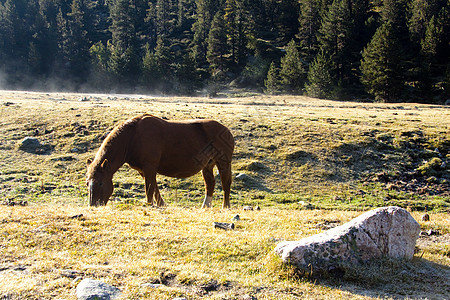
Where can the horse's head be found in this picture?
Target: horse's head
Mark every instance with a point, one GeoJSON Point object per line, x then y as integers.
{"type": "Point", "coordinates": [99, 182]}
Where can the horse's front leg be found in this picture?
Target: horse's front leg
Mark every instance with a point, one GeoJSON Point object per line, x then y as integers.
{"type": "Point", "coordinates": [150, 186]}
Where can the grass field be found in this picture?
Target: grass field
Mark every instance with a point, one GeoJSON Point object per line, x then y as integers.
{"type": "Point", "coordinates": [308, 163]}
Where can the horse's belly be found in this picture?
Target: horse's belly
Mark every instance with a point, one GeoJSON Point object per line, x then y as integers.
{"type": "Point", "coordinates": [179, 168]}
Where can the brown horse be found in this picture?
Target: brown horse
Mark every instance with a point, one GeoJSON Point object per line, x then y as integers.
{"type": "Point", "coordinates": [155, 146]}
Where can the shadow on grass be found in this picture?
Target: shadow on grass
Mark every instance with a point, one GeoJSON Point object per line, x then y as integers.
{"type": "Point", "coordinates": [398, 279]}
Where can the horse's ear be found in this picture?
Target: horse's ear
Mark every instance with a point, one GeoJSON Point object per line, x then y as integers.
{"type": "Point", "coordinates": [89, 161]}
{"type": "Point", "coordinates": [105, 164]}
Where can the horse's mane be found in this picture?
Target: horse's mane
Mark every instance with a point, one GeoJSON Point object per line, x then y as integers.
{"type": "Point", "coordinates": [110, 141]}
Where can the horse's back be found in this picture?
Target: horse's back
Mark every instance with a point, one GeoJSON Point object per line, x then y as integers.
{"type": "Point", "coordinates": [182, 148]}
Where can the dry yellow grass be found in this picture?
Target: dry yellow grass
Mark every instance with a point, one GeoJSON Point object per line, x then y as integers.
{"type": "Point", "coordinates": [129, 247]}
{"type": "Point", "coordinates": [128, 244]}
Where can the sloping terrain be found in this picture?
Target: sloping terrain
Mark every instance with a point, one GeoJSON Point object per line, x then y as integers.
{"type": "Point", "coordinates": [309, 164]}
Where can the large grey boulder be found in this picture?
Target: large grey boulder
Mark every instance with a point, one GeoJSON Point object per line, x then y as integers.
{"type": "Point", "coordinates": [91, 289]}
{"type": "Point", "coordinates": [383, 232]}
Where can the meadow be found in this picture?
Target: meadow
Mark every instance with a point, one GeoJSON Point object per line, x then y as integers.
{"type": "Point", "coordinates": [308, 164]}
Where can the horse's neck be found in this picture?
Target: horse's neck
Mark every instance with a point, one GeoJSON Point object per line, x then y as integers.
{"type": "Point", "coordinates": [116, 152]}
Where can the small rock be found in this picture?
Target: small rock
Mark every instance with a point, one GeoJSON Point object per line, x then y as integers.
{"type": "Point", "coordinates": [151, 285]}
{"type": "Point", "coordinates": [29, 144]}
{"type": "Point", "coordinates": [426, 217]}
{"type": "Point", "coordinates": [248, 297]}
{"type": "Point", "coordinates": [226, 226]}
{"type": "Point", "coordinates": [257, 208]}
{"type": "Point", "coordinates": [306, 205]}
{"type": "Point", "coordinates": [69, 273]}
{"type": "Point", "coordinates": [90, 289]}
{"type": "Point", "coordinates": [430, 232]}
{"type": "Point", "coordinates": [79, 216]}
{"type": "Point", "coordinates": [15, 203]}
{"type": "Point", "coordinates": [242, 177]}
{"type": "Point", "coordinates": [248, 208]}
{"type": "Point", "coordinates": [236, 218]}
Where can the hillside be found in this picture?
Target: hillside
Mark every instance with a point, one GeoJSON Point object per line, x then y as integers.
{"type": "Point", "coordinates": [309, 164]}
{"type": "Point", "coordinates": [291, 149]}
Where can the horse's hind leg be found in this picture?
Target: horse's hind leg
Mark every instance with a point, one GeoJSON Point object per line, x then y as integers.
{"type": "Point", "coordinates": [208, 176]}
{"type": "Point", "coordinates": [225, 176]}
{"type": "Point", "coordinates": [159, 200]}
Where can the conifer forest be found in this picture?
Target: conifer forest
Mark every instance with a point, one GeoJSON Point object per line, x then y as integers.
{"type": "Point", "coordinates": [382, 50]}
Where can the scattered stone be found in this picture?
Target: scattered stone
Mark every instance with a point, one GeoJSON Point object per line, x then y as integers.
{"type": "Point", "coordinates": [383, 232]}
{"type": "Point", "coordinates": [15, 203]}
{"type": "Point", "coordinates": [327, 224]}
{"type": "Point", "coordinates": [33, 145]}
{"type": "Point", "coordinates": [70, 274]}
{"type": "Point", "coordinates": [306, 205]}
{"type": "Point", "coordinates": [426, 217]}
{"type": "Point", "coordinates": [225, 226]}
{"type": "Point", "coordinates": [151, 285]}
{"type": "Point", "coordinates": [90, 289]}
{"type": "Point", "coordinates": [257, 208]}
{"type": "Point", "coordinates": [248, 208]}
{"type": "Point", "coordinates": [242, 177]}
{"type": "Point", "coordinates": [210, 286]}
{"type": "Point", "coordinates": [79, 216]}
{"type": "Point", "coordinates": [430, 232]}
{"type": "Point", "coordinates": [249, 297]}
{"type": "Point", "coordinates": [29, 143]}
{"type": "Point", "coordinates": [236, 218]}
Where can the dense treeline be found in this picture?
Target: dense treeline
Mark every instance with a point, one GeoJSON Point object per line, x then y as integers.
{"type": "Point", "coordinates": [388, 49]}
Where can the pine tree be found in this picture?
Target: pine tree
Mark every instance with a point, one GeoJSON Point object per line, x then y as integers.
{"type": "Point", "coordinates": [63, 39]}
{"type": "Point", "coordinates": [379, 66]}
{"type": "Point", "coordinates": [163, 18]}
{"type": "Point", "coordinates": [78, 48]}
{"type": "Point", "coordinates": [287, 19]}
{"type": "Point", "coordinates": [187, 76]}
{"type": "Point", "coordinates": [292, 72]}
{"type": "Point", "coordinates": [124, 59]}
{"type": "Point", "coordinates": [238, 27]}
{"type": "Point", "coordinates": [273, 80]}
{"type": "Point", "coordinates": [421, 13]}
{"type": "Point", "coordinates": [122, 27]}
{"type": "Point", "coordinates": [217, 43]}
{"type": "Point", "coordinates": [335, 38]}
{"type": "Point", "coordinates": [431, 40]}
{"type": "Point", "coordinates": [394, 12]}
{"type": "Point", "coordinates": [320, 81]}
{"type": "Point", "coordinates": [157, 73]}
{"type": "Point", "coordinates": [206, 9]}
{"type": "Point", "coordinates": [309, 24]}
{"type": "Point", "coordinates": [99, 70]}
